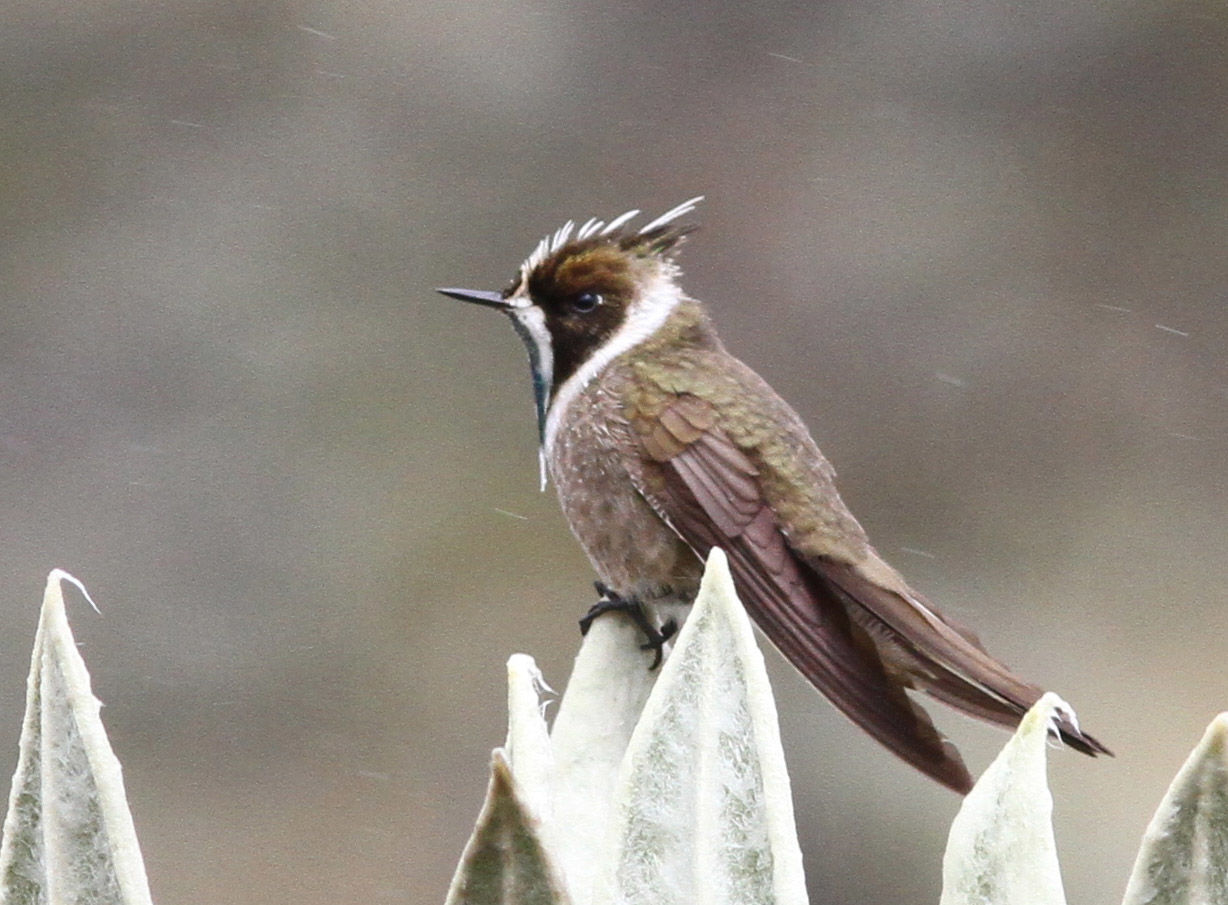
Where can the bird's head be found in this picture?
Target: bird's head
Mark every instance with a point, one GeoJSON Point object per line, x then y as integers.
{"type": "Point", "coordinates": [586, 295]}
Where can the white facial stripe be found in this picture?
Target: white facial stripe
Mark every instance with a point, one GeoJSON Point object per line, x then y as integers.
{"type": "Point", "coordinates": [531, 321]}
{"type": "Point", "coordinates": [644, 318]}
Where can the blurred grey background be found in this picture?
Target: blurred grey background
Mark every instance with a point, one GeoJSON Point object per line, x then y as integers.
{"type": "Point", "coordinates": [981, 247]}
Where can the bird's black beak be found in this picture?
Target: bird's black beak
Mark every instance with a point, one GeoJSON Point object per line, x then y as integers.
{"type": "Point", "coordinates": [478, 297]}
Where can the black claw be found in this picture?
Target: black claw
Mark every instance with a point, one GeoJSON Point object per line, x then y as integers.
{"type": "Point", "coordinates": [669, 628]}
{"type": "Point", "coordinates": [602, 606]}
{"type": "Point", "coordinates": [656, 644]}
{"type": "Point", "coordinates": [611, 602]}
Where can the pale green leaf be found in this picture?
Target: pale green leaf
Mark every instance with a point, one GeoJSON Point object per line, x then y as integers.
{"type": "Point", "coordinates": [605, 695]}
{"type": "Point", "coordinates": [528, 741]}
{"type": "Point", "coordinates": [1184, 856]}
{"type": "Point", "coordinates": [1000, 850]}
{"type": "Point", "coordinates": [68, 834]}
{"type": "Point", "coordinates": [703, 813]}
{"type": "Point", "coordinates": [505, 862]}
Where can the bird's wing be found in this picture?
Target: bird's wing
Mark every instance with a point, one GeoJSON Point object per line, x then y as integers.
{"type": "Point", "coordinates": [710, 492]}
{"type": "Point", "coordinates": [758, 487]}
{"type": "Point", "coordinates": [942, 658]}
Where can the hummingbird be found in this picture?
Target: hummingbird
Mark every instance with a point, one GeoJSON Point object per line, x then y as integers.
{"type": "Point", "coordinates": [663, 445]}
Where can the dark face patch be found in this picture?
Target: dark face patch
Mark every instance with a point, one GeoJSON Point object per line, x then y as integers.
{"type": "Point", "coordinates": [584, 290]}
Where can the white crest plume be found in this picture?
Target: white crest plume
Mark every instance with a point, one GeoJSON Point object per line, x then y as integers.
{"type": "Point", "coordinates": [594, 227]}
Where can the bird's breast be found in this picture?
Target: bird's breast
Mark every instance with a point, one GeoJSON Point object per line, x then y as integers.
{"type": "Point", "coordinates": [593, 463]}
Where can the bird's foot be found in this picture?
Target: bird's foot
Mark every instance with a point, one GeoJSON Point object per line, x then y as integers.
{"type": "Point", "coordinates": [612, 602]}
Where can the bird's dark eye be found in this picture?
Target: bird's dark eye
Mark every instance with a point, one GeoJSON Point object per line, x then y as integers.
{"type": "Point", "coordinates": [585, 302]}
